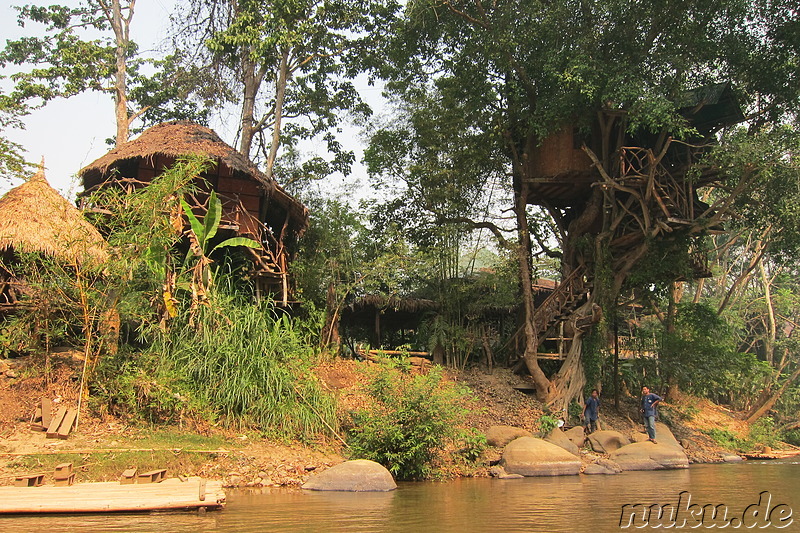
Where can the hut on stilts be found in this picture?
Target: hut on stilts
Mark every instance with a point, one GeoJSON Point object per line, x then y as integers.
{"type": "Point", "coordinates": [35, 218]}
{"type": "Point", "coordinates": [253, 205]}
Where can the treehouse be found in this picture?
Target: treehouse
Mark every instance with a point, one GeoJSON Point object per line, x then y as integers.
{"type": "Point", "coordinates": [635, 188]}
{"type": "Point", "coordinates": [35, 218]}
{"type": "Point", "coordinates": [253, 205]}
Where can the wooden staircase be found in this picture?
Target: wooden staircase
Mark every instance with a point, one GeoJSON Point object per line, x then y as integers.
{"type": "Point", "coordinates": [560, 304]}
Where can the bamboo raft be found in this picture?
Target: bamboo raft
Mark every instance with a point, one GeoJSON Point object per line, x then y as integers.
{"type": "Point", "coordinates": [775, 454]}
{"type": "Point", "coordinates": [170, 494]}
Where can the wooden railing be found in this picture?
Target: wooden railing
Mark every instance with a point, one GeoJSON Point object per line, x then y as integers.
{"type": "Point", "coordinates": [563, 299]}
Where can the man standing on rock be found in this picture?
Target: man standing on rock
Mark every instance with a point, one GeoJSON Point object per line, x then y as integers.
{"type": "Point", "coordinates": [591, 412]}
{"type": "Point", "coordinates": [648, 410]}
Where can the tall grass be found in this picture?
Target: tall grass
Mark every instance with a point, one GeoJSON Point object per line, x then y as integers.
{"type": "Point", "coordinates": [249, 366]}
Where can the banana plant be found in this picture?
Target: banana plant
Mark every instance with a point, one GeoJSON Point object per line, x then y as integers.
{"type": "Point", "coordinates": [200, 236]}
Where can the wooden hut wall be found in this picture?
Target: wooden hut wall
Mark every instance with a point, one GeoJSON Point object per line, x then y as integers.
{"type": "Point", "coordinates": [558, 154]}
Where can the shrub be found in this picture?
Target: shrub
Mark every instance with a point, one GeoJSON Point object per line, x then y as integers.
{"type": "Point", "coordinates": [411, 420]}
{"type": "Point", "coordinates": [726, 439]}
{"type": "Point", "coordinates": [762, 433]}
{"type": "Point", "coordinates": [250, 366]}
{"type": "Point", "coordinates": [547, 423]}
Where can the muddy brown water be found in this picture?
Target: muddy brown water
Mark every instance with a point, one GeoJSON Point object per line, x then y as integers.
{"type": "Point", "coordinates": [569, 504]}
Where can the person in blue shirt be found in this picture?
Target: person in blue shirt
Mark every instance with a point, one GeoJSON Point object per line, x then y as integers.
{"type": "Point", "coordinates": [591, 412]}
{"type": "Point", "coordinates": [648, 410]}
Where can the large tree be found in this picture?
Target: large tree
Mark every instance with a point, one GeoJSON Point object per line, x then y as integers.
{"type": "Point", "coordinates": [617, 71]}
{"type": "Point", "coordinates": [88, 47]}
{"type": "Point", "coordinates": [287, 65]}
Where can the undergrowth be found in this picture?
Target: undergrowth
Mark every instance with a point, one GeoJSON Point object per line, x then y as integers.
{"type": "Point", "coordinates": [411, 421]}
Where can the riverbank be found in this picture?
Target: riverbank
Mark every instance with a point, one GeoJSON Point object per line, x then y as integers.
{"type": "Point", "coordinates": [103, 445]}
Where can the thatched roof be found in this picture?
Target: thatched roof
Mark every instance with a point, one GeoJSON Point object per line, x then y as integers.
{"type": "Point", "coordinates": [393, 303]}
{"type": "Point", "coordinates": [34, 217]}
{"type": "Point", "coordinates": [176, 139]}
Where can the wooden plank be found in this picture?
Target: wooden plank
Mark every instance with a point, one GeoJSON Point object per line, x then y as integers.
{"type": "Point", "coordinates": [65, 482]}
{"type": "Point", "coordinates": [128, 476]}
{"type": "Point", "coordinates": [237, 186]}
{"type": "Point", "coordinates": [29, 480]}
{"type": "Point", "coordinates": [47, 412]}
{"type": "Point", "coordinates": [67, 424]}
{"type": "Point", "coordinates": [112, 497]}
{"type": "Point", "coordinates": [153, 476]}
{"type": "Point", "coordinates": [52, 429]}
{"type": "Point", "coordinates": [62, 471]}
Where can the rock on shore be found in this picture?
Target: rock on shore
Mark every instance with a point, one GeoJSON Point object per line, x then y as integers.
{"type": "Point", "coordinates": [359, 475]}
{"type": "Point", "coordinates": [530, 456]}
{"type": "Point", "coordinates": [607, 441]}
{"type": "Point", "coordinates": [666, 454]}
{"type": "Point", "coordinates": [499, 436]}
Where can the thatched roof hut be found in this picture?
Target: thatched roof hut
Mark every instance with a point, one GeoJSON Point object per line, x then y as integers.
{"type": "Point", "coordinates": [253, 205]}
{"type": "Point", "coordinates": [172, 140]}
{"type": "Point", "coordinates": [34, 217]}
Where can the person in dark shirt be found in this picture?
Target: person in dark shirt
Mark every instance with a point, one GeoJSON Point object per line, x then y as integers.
{"type": "Point", "coordinates": [648, 410]}
{"type": "Point", "coordinates": [591, 412]}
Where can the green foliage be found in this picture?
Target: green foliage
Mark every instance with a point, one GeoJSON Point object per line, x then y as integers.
{"type": "Point", "coordinates": [76, 53]}
{"type": "Point", "coordinates": [700, 356]}
{"type": "Point", "coordinates": [249, 366]}
{"type": "Point", "coordinates": [574, 412]}
{"type": "Point", "coordinates": [472, 445]}
{"type": "Point", "coordinates": [412, 419]}
{"type": "Point", "coordinates": [726, 439]}
{"type": "Point", "coordinates": [547, 423]}
{"type": "Point", "coordinates": [762, 433]}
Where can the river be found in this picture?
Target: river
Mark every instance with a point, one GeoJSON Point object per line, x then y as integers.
{"type": "Point", "coordinates": [569, 504]}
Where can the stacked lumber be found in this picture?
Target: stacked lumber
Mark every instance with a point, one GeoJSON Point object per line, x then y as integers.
{"type": "Point", "coordinates": [62, 423]}
{"type": "Point", "coordinates": [42, 416]}
{"type": "Point", "coordinates": [193, 493]}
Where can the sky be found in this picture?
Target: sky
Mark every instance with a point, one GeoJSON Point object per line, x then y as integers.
{"type": "Point", "coordinates": [71, 133]}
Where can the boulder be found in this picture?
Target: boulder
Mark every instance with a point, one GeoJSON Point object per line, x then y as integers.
{"type": "Point", "coordinates": [576, 435]}
{"type": "Point", "coordinates": [665, 436]}
{"type": "Point", "coordinates": [594, 469]}
{"type": "Point", "coordinates": [558, 438]}
{"type": "Point", "coordinates": [732, 458]}
{"type": "Point", "coordinates": [649, 456]}
{"type": "Point", "coordinates": [607, 441]}
{"type": "Point", "coordinates": [359, 475]}
{"type": "Point", "coordinates": [501, 435]}
{"type": "Point", "coordinates": [530, 456]}
{"type": "Point", "coordinates": [639, 437]}
{"type": "Point", "coordinates": [608, 464]}
{"type": "Point", "coordinates": [500, 473]}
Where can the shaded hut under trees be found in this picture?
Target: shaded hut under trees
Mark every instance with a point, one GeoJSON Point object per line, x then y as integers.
{"type": "Point", "coordinates": [253, 205]}
{"type": "Point", "coordinates": [35, 218]}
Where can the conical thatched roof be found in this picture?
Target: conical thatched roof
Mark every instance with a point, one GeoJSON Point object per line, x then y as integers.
{"type": "Point", "coordinates": [176, 139]}
{"type": "Point", "coordinates": [34, 217]}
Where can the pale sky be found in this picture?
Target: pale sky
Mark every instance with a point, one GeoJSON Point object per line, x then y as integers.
{"type": "Point", "coordinates": [71, 133]}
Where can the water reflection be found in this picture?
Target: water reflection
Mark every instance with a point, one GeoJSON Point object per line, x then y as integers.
{"type": "Point", "coordinates": [573, 503]}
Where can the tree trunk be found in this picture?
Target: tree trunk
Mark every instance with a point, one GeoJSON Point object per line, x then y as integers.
{"type": "Point", "coordinates": [769, 341]}
{"type": "Point", "coordinates": [526, 283]}
{"type": "Point", "coordinates": [330, 332]}
{"type": "Point", "coordinates": [760, 410]}
{"type": "Point", "coordinates": [251, 82]}
{"type": "Point", "coordinates": [121, 27]}
{"type": "Point", "coordinates": [280, 93]}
